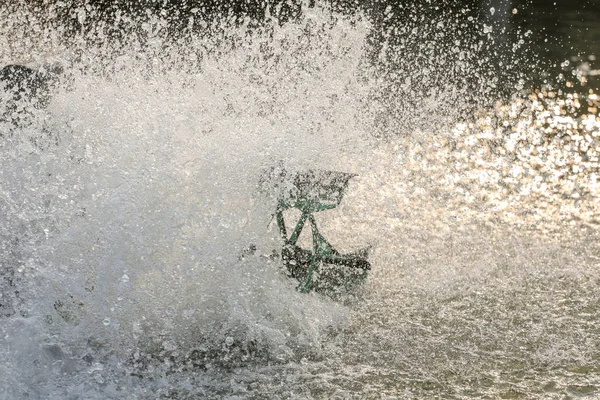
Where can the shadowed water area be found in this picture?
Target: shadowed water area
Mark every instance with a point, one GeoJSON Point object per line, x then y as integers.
{"type": "Point", "coordinates": [138, 252]}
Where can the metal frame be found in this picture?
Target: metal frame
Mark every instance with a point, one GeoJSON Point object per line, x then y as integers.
{"type": "Point", "coordinates": [309, 193]}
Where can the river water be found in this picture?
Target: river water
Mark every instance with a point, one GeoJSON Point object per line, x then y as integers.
{"type": "Point", "coordinates": [126, 204]}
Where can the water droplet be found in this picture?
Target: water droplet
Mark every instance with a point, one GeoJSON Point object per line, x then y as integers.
{"type": "Point", "coordinates": [106, 321]}
{"type": "Point", "coordinates": [96, 367]}
{"type": "Point", "coordinates": [81, 16]}
{"type": "Point", "coordinates": [228, 340]}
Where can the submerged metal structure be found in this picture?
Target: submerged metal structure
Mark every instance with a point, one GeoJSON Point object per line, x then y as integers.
{"type": "Point", "coordinates": [321, 268]}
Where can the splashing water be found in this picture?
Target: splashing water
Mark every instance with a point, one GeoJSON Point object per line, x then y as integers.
{"type": "Point", "coordinates": [126, 206]}
{"type": "Point", "coordinates": [126, 227]}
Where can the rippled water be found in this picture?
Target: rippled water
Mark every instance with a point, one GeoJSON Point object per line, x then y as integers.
{"type": "Point", "coordinates": [125, 207]}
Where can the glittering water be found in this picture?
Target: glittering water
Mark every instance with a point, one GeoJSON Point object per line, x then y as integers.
{"type": "Point", "coordinates": [126, 205]}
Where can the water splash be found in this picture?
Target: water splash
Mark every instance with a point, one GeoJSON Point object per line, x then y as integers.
{"type": "Point", "coordinates": [127, 204]}
{"type": "Point", "coordinates": [131, 220]}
